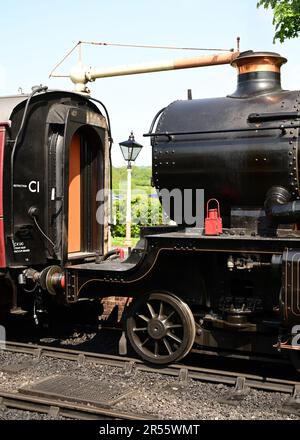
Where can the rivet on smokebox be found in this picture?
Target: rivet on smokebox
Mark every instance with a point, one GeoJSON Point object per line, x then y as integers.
{"type": "Point", "coordinates": [213, 220]}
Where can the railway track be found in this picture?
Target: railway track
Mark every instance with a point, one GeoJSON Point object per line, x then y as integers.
{"type": "Point", "coordinates": [55, 407]}
{"type": "Point", "coordinates": [182, 372]}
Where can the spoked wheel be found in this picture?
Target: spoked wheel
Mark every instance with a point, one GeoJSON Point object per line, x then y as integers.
{"type": "Point", "coordinates": [161, 329]}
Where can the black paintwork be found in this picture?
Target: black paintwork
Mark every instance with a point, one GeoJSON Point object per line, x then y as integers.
{"type": "Point", "coordinates": [241, 149]}
{"type": "Point", "coordinates": [238, 168]}
{"type": "Point", "coordinates": [237, 149]}
{"type": "Point", "coordinates": [41, 165]}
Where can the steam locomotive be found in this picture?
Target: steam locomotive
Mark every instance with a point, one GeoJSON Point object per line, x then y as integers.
{"type": "Point", "coordinates": [231, 285]}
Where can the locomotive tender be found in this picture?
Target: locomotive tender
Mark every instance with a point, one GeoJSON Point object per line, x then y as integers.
{"type": "Point", "coordinates": [233, 292]}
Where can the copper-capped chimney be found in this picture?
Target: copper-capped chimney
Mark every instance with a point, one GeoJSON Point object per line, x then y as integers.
{"type": "Point", "coordinates": [258, 73]}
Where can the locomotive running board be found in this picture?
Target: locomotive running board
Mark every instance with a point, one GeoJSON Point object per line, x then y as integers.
{"type": "Point", "coordinates": [121, 278]}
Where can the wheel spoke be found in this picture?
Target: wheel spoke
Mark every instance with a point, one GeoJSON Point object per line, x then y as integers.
{"type": "Point", "coordinates": [174, 326]}
{"type": "Point", "coordinates": [168, 346]}
{"type": "Point", "coordinates": [151, 310]}
{"type": "Point", "coordinates": [144, 318]}
{"type": "Point", "coordinates": [171, 314]}
{"type": "Point", "coordinates": [156, 348]}
{"type": "Point", "coordinates": [139, 329]}
{"type": "Point", "coordinates": [145, 342]}
{"type": "Point", "coordinates": [161, 308]}
{"type": "Point", "coordinates": [176, 338]}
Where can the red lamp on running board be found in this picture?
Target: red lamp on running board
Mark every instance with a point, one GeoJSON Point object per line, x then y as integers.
{"type": "Point", "coordinates": [213, 220]}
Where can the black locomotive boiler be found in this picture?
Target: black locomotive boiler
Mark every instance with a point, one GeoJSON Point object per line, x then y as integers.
{"type": "Point", "coordinates": [236, 291]}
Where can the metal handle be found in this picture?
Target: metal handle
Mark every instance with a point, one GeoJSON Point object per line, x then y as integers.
{"type": "Point", "coordinates": [218, 205]}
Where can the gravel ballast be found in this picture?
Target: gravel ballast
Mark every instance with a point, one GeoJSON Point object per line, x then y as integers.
{"type": "Point", "coordinates": [153, 394]}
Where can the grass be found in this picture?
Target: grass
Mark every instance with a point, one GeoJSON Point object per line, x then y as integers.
{"type": "Point", "coordinates": [119, 241]}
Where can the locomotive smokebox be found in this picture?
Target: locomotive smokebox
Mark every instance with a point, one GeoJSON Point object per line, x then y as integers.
{"type": "Point", "coordinates": [234, 148]}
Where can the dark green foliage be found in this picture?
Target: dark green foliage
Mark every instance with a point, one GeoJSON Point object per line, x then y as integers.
{"type": "Point", "coordinates": [286, 17]}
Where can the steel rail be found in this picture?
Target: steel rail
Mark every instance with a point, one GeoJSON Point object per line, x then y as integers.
{"type": "Point", "coordinates": [55, 407]}
{"type": "Point", "coordinates": [182, 372]}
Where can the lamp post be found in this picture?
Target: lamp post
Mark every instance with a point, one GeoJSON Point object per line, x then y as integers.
{"type": "Point", "coordinates": [130, 150]}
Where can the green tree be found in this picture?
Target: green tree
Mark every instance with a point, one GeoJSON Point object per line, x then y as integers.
{"type": "Point", "coordinates": [144, 210]}
{"type": "Point", "coordinates": [286, 17]}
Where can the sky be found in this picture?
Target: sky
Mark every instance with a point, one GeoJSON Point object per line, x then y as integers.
{"type": "Point", "coordinates": [36, 35]}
